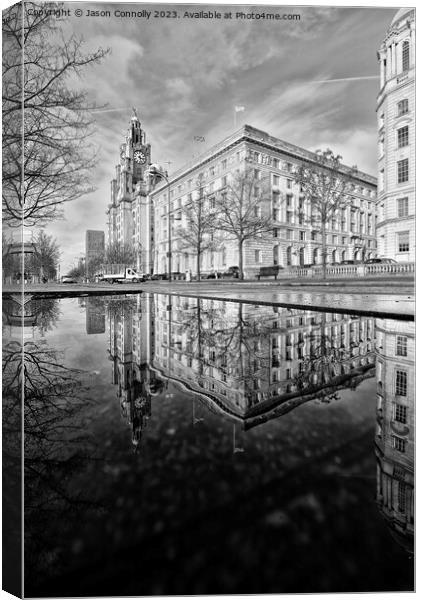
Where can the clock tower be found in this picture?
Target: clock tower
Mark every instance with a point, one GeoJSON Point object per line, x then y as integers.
{"type": "Point", "coordinates": [139, 150]}
{"type": "Point", "coordinates": [129, 188]}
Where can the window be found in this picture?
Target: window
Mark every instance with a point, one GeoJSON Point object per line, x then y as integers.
{"type": "Point", "coordinates": [275, 179]}
{"type": "Point", "coordinates": [275, 162]}
{"type": "Point", "coordinates": [224, 181]}
{"type": "Point", "coordinates": [289, 200]}
{"type": "Point", "coordinates": [256, 173]}
{"type": "Point", "coordinates": [401, 345]}
{"type": "Point", "coordinates": [399, 413]}
{"type": "Point", "coordinates": [302, 235]}
{"type": "Point", "coordinates": [275, 232]}
{"type": "Point", "coordinates": [403, 241]}
{"type": "Point", "coordinates": [403, 107]}
{"type": "Point", "coordinates": [275, 214]}
{"type": "Point", "coordinates": [289, 184]}
{"type": "Point", "coordinates": [288, 167]}
{"type": "Point", "coordinates": [401, 496]}
{"type": "Point", "coordinates": [398, 443]}
{"type": "Point", "coordinates": [403, 136]}
{"type": "Point", "coordinates": [402, 204]}
{"type": "Point", "coordinates": [314, 235]}
{"type": "Point", "coordinates": [224, 164]}
{"type": "Point", "coordinates": [405, 55]}
{"type": "Point", "coordinates": [289, 234]}
{"type": "Point", "coordinates": [212, 171]}
{"type": "Point", "coordinates": [401, 382]}
{"type": "Point", "coordinates": [403, 170]}
{"type": "Point", "coordinates": [257, 256]}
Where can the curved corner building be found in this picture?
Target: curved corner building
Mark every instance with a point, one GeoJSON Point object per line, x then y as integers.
{"type": "Point", "coordinates": [395, 229]}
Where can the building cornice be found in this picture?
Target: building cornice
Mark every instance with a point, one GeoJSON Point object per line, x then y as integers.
{"type": "Point", "coordinates": [261, 138]}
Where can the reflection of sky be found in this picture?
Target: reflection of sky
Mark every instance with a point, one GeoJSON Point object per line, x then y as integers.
{"type": "Point", "coordinates": [185, 77]}
{"type": "Point", "coordinates": [86, 352]}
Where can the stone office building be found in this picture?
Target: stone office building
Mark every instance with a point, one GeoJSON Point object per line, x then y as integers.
{"type": "Point", "coordinates": [129, 190]}
{"type": "Point", "coordinates": [293, 241]}
{"type": "Point", "coordinates": [396, 140]}
{"type": "Point", "coordinates": [94, 247]}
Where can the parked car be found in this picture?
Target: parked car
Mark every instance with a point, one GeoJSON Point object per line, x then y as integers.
{"type": "Point", "coordinates": [232, 272]}
{"type": "Point", "coordinates": [348, 262]}
{"type": "Point", "coordinates": [68, 279]}
{"type": "Point", "coordinates": [381, 261]}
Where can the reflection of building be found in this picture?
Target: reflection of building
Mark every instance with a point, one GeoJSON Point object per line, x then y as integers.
{"type": "Point", "coordinates": [131, 338]}
{"type": "Point", "coordinates": [395, 425]}
{"type": "Point", "coordinates": [255, 362]}
{"type": "Point", "coordinates": [294, 241]}
{"type": "Point", "coordinates": [95, 316]}
{"type": "Point", "coordinates": [396, 140]}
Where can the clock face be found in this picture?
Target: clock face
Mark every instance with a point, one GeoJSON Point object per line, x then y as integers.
{"type": "Point", "coordinates": [140, 157]}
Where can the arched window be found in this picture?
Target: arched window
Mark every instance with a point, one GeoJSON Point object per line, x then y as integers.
{"type": "Point", "coordinates": [301, 257]}
{"type": "Point", "coordinates": [343, 255]}
{"type": "Point", "coordinates": [315, 256]}
{"type": "Point", "coordinates": [276, 255]}
{"type": "Point", "coordinates": [289, 256]}
{"type": "Point", "coordinates": [334, 253]}
{"type": "Point", "coordinates": [405, 55]}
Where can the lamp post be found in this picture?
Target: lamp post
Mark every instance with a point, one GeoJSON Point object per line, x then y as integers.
{"type": "Point", "coordinates": [157, 171]}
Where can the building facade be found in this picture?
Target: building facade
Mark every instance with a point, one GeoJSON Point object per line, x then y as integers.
{"type": "Point", "coordinates": [293, 241]}
{"type": "Point", "coordinates": [129, 190]}
{"type": "Point", "coordinates": [396, 140]}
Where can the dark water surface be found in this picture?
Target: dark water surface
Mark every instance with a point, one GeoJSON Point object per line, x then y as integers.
{"type": "Point", "coordinates": [184, 446]}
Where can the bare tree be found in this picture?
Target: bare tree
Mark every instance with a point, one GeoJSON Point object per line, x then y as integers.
{"type": "Point", "coordinates": [198, 234]}
{"type": "Point", "coordinates": [45, 259]}
{"type": "Point", "coordinates": [326, 183]}
{"type": "Point", "coordinates": [93, 265]}
{"type": "Point", "coordinates": [47, 122]}
{"type": "Point", "coordinates": [119, 253]}
{"type": "Point", "coordinates": [242, 213]}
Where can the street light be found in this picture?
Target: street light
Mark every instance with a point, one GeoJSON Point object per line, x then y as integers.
{"type": "Point", "coordinates": [157, 171]}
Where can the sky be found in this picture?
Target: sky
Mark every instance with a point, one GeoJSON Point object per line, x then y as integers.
{"type": "Point", "coordinates": [311, 82]}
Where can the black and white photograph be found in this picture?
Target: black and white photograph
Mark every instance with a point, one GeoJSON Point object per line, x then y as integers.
{"type": "Point", "coordinates": [208, 299]}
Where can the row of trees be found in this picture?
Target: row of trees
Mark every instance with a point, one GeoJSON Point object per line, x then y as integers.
{"type": "Point", "coordinates": [115, 253]}
{"type": "Point", "coordinates": [241, 211]}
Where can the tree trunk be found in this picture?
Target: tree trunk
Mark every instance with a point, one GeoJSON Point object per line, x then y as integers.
{"type": "Point", "coordinates": [240, 259]}
{"type": "Point", "coordinates": [198, 263]}
{"type": "Point", "coordinates": [324, 249]}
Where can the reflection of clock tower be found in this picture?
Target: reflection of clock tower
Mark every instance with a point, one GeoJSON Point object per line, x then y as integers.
{"type": "Point", "coordinates": [129, 189]}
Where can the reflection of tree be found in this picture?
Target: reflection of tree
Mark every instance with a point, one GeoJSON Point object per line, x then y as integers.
{"type": "Point", "coordinates": [43, 312]}
{"type": "Point", "coordinates": [234, 343]}
{"type": "Point", "coordinates": [55, 446]}
{"type": "Point", "coordinates": [324, 367]}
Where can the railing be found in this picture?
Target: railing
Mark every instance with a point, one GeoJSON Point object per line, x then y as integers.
{"type": "Point", "coordinates": [344, 271]}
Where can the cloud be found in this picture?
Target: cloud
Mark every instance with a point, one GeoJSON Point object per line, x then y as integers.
{"type": "Point", "coordinates": [363, 78]}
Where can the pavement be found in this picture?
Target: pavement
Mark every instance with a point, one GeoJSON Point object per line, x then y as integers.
{"type": "Point", "coordinates": [380, 297]}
